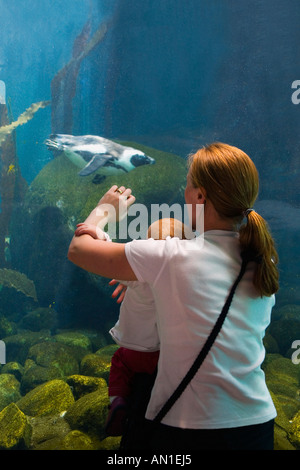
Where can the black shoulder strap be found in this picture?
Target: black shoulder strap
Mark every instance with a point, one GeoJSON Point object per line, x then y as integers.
{"type": "Point", "coordinates": [246, 257]}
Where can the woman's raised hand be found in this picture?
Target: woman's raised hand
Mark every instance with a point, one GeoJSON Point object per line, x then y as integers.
{"type": "Point", "coordinates": [116, 202]}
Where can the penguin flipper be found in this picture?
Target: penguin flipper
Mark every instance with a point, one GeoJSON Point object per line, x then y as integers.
{"type": "Point", "coordinates": [96, 162]}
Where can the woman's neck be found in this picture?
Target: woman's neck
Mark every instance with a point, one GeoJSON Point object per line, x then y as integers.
{"type": "Point", "coordinates": [212, 220]}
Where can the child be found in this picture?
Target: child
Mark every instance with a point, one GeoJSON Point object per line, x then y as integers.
{"type": "Point", "coordinates": [138, 339]}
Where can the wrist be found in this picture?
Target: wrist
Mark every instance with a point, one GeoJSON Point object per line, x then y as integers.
{"type": "Point", "coordinates": [101, 235]}
{"type": "Point", "coordinates": [98, 217]}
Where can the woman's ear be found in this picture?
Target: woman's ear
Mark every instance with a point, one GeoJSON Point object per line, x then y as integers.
{"type": "Point", "coordinates": [201, 196]}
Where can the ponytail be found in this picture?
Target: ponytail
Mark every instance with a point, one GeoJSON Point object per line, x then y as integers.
{"type": "Point", "coordinates": [231, 181]}
{"type": "Point", "coordinates": [256, 238]}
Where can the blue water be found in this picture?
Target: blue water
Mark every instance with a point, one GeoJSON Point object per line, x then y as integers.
{"type": "Point", "coordinates": [172, 75]}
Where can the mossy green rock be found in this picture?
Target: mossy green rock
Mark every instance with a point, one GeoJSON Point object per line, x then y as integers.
{"type": "Point", "coordinates": [7, 327]}
{"type": "Point", "coordinates": [9, 390]}
{"type": "Point", "coordinates": [36, 375]}
{"type": "Point", "coordinates": [285, 327]}
{"type": "Point", "coordinates": [294, 434]}
{"type": "Point", "coordinates": [47, 361]}
{"type": "Point", "coordinates": [88, 414]}
{"type": "Point", "coordinates": [95, 366]}
{"type": "Point", "coordinates": [78, 440]}
{"type": "Point", "coordinates": [110, 443]}
{"type": "Point", "coordinates": [13, 368]}
{"type": "Point", "coordinates": [57, 355]}
{"type": "Point", "coordinates": [48, 431]}
{"type": "Point", "coordinates": [82, 385]}
{"type": "Point", "coordinates": [278, 369]}
{"type": "Point", "coordinates": [49, 398]}
{"type": "Point", "coordinates": [107, 352]}
{"type": "Point", "coordinates": [75, 339]}
{"type": "Point", "coordinates": [15, 430]}
{"type": "Point", "coordinates": [58, 184]}
{"type": "Point", "coordinates": [42, 318]}
{"type": "Point", "coordinates": [17, 346]}
{"type": "Point", "coordinates": [98, 364]}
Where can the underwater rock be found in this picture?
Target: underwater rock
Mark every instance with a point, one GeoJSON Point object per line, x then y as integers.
{"type": "Point", "coordinates": [107, 352]}
{"type": "Point", "coordinates": [48, 431]}
{"type": "Point", "coordinates": [75, 339]}
{"type": "Point", "coordinates": [110, 443]}
{"type": "Point", "coordinates": [17, 346]}
{"type": "Point", "coordinates": [285, 327]}
{"type": "Point", "coordinates": [282, 378]}
{"type": "Point", "coordinates": [78, 440]}
{"type": "Point", "coordinates": [15, 430]}
{"type": "Point", "coordinates": [294, 434]}
{"type": "Point", "coordinates": [50, 398]}
{"type": "Point", "coordinates": [95, 338]}
{"type": "Point", "coordinates": [282, 428]}
{"type": "Point", "coordinates": [13, 368]}
{"type": "Point", "coordinates": [42, 318]}
{"type": "Point", "coordinates": [279, 368]}
{"type": "Point", "coordinates": [270, 344]}
{"type": "Point", "coordinates": [35, 375]}
{"type": "Point", "coordinates": [9, 389]}
{"type": "Point", "coordinates": [94, 366]}
{"type": "Point", "coordinates": [98, 364]}
{"type": "Point", "coordinates": [7, 328]}
{"type": "Point", "coordinates": [82, 385]}
{"type": "Point", "coordinates": [58, 355]}
{"type": "Point", "coordinates": [88, 414]}
{"type": "Point", "coordinates": [47, 361]}
{"type": "Point", "coordinates": [19, 281]}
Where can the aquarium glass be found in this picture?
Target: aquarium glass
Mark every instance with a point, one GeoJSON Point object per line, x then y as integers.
{"type": "Point", "coordinates": [163, 78]}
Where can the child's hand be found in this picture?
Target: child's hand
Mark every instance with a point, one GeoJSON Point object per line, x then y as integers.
{"type": "Point", "coordinates": [88, 229]}
{"type": "Point", "coordinates": [119, 290]}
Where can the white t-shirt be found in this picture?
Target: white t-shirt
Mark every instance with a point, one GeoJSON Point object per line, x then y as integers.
{"type": "Point", "coordinates": [136, 328]}
{"type": "Point", "coordinates": [190, 285]}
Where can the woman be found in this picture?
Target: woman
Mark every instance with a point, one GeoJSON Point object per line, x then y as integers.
{"type": "Point", "coordinates": [227, 404]}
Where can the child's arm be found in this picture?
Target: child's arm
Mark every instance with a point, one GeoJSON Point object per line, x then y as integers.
{"type": "Point", "coordinates": [92, 230]}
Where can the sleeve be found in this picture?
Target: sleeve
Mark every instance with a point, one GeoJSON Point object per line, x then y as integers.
{"type": "Point", "coordinates": [147, 258]}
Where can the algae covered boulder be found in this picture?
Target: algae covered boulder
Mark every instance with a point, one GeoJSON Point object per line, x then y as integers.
{"type": "Point", "coordinates": [98, 364]}
{"type": "Point", "coordinates": [82, 385]}
{"type": "Point", "coordinates": [88, 414]}
{"type": "Point", "coordinates": [42, 318]}
{"type": "Point", "coordinates": [49, 398]}
{"type": "Point", "coordinates": [15, 430]}
{"type": "Point", "coordinates": [9, 389]}
{"type": "Point", "coordinates": [47, 361]}
{"type": "Point", "coordinates": [75, 339]}
{"type": "Point", "coordinates": [295, 431]}
{"type": "Point", "coordinates": [78, 440]}
{"type": "Point", "coordinates": [18, 345]}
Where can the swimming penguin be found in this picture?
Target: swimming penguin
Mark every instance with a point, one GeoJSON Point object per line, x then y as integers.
{"type": "Point", "coordinates": [91, 153]}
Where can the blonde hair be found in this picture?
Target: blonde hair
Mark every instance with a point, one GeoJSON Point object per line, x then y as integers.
{"type": "Point", "coordinates": [231, 182]}
{"type": "Point", "coordinates": [163, 228]}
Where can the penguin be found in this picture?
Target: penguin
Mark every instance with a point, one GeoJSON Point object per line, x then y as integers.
{"type": "Point", "coordinates": [92, 153]}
